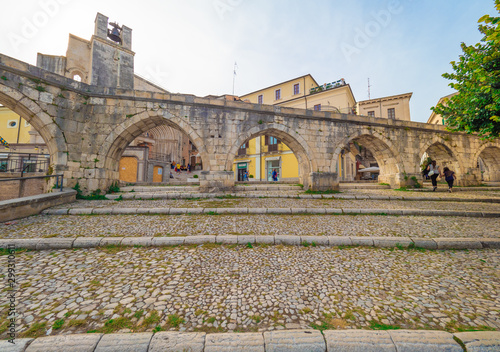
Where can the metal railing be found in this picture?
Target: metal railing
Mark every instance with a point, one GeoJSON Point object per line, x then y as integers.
{"type": "Point", "coordinates": [24, 162]}
{"type": "Point", "coordinates": [57, 185]}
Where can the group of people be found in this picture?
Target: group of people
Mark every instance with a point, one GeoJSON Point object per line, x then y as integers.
{"type": "Point", "coordinates": [433, 171]}
{"type": "Point", "coordinates": [178, 168]}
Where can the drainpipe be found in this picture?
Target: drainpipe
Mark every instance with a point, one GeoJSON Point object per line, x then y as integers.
{"type": "Point", "coordinates": [18, 129]}
{"type": "Point", "coordinates": [304, 88]}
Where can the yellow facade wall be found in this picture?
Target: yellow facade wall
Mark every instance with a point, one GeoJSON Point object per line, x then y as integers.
{"type": "Point", "coordinates": [128, 169]}
{"type": "Point", "coordinates": [10, 133]}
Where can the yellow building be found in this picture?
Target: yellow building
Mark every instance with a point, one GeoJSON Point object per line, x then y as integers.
{"type": "Point", "coordinates": [262, 155]}
{"type": "Point", "coordinates": [13, 128]}
{"type": "Point", "coordinates": [437, 119]}
{"type": "Point", "coordinates": [394, 107]}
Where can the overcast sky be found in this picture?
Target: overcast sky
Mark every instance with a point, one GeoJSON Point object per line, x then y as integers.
{"type": "Point", "coordinates": [190, 46]}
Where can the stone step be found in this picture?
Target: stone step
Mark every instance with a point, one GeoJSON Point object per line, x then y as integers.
{"type": "Point", "coordinates": [284, 340]}
{"type": "Point", "coordinates": [292, 240]}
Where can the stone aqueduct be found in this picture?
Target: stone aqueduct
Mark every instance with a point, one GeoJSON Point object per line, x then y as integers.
{"type": "Point", "coordinates": [86, 128]}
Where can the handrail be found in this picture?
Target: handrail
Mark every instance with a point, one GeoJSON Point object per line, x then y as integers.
{"type": "Point", "coordinates": [58, 185]}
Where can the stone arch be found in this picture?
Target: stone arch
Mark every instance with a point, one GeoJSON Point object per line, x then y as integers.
{"type": "Point", "coordinates": [442, 151]}
{"type": "Point", "coordinates": [489, 153]}
{"type": "Point", "coordinates": [296, 143]}
{"type": "Point", "coordinates": [126, 132]}
{"type": "Point", "coordinates": [41, 122]}
{"type": "Point", "coordinates": [383, 150]}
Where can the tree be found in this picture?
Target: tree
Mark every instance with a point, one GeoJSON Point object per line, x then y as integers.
{"type": "Point", "coordinates": [476, 107]}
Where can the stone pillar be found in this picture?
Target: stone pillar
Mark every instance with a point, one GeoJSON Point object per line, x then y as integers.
{"type": "Point", "coordinates": [101, 26]}
{"type": "Point", "coordinates": [471, 178]}
{"type": "Point", "coordinates": [404, 180]}
{"type": "Point", "coordinates": [127, 37]}
{"type": "Point", "coordinates": [216, 181]}
{"type": "Point", "coordinates": [323, 181]}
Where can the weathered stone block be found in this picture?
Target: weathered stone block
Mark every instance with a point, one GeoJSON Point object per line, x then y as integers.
{"type": "Point", "coordinates": [111, 241]}
{"type": "Point", "coordinates": [294, 341]}
{"type": "Point", "coordinates": [335, 241]}
{"type": "Point", "coordinates": [167, 241]}
{"type": "Point", "coordinates": [361, 241]}
{"type": "Point", "coordinates": [287, 240]}
{"type": "Point", "coordinates": [177, 341]}
{"type": "Point", "coordinates": [86, 242]}
{"type": "Point", "coordinates": [234, 342]}
{"type": "Point", "coordinates": [389, 242]}
{"type": "Point", "coordinates": [424, 341]}
{"type": "Point", "coordinates": [18, 346]}
{"type": "Point", "coordinates": [137, 342]}
{"type": "Point", "coordinates": [199, 239]}
{"type": "Point", "coordinates": [358, 341]}
{"type": "Point", "coordinates": [480, 341]}
{"type": "Point", "coordinates": [137, 241]}
{"type": "Point", "coordinates": [65, 343]}
{"type": "Point", "coordinates": [55, 243]}
{"type": "Point", "coordinates": [227, 239]}
{"type": "Point", "coordinates": [458, 243]}
{"type": "Point", "coordinates": [265, 239]}
{"type": "Point", "coordinates": [318, 240]}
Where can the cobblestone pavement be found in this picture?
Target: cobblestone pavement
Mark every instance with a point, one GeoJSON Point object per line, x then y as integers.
{"type": "Point", "coordinates": [187, 225]}
{"type": "Point", "coordinates": [236, 288]}
{"type": "Point", "coordinates": [285, 203]}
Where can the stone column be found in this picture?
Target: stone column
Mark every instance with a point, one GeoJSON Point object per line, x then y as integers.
{"type": "Point", "coordinates": [216, 181]}
{"type": "Point", "coordinates": [323, 181]}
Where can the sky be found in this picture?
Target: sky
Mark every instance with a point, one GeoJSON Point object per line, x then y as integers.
{"type": "Point", "coordinates": [191, 46]}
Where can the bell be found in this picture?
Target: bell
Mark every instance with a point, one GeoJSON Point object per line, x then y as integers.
{"type": "Point", "coordinates": [114, 35]}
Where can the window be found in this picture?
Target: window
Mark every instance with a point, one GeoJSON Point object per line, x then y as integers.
{"type": "Point", "coordinates": [77, 78]}
{"type": "Point", "coordinates": [371, 113]}
{"type": "Point", "coordinates": [260, 99]}
{"type": "Point", "coordinates": [272, 143]}
{"type": "Point", "coordinates": [317, 107]}
{"type": "Point", "coordinates": [243, 148]}
{"type": "Point", "coordinates": [391, 114]}
{"type": "Point", "coordinates": [12, 124]}
{"type": "Point", "coordinates": [277, 94]}
{"type": "Point", "coordinates": [296, 89]}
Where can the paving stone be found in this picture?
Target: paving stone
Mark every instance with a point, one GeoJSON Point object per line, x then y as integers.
{"type": "Point", "coordinates": [137, 241]}
{"type": "Point", "coordinates": [299, 210]}
{"type": "Point", "coordinates": [244, 239]}
{"type": "Point", "coordinates": [287, 240]}
{"type": "Point", "coordinates": [318, 240]}
{"type": "Point", "coordinates": [361, 241]}
{"type": "Point", "coordinates": [458, 243]}
{"type": "Point", "coordinates": [65, 343]}
{"type": "Point", "coordinates": [265, 239]}
{"type": "Point", "coordinates": [159, 211]}
{"type": "Point", "coordinates": [425, 243]}
{"type": "Point", "coordinates": [333, 211]}
{"type": "Point", "coordinates": [336, 241]}
{"type": "Point", "coordinates": [114, 241]}
{"type": "Point", "coordinates": [227, 239]}
{"type": "Point", "coordinates": [56, 211]}
{"type": "Point", "coordinates": [279, 211]}
{"type": "Point", "coordinates": [81, 211]}
{"type": "Point", "coordinates": [178, 211]}
{"type": "Point", "coordinates": [315, 210]}
{"type": "Point", "coordinates": [102, 211]}
{"type": "Point", "coordinates": [138, 342]}
{"type": "Point", "coordinates": [294, 341]}
{"type": "Point", "coordinates": [18, 346]}
{"type": "Point", "coordinates": [177, 342]}
{"type": "Point", "coordinates": [26, 243]}
{"type": "Point", "coordinates": [199, 239]}
{"type": "Point", "coordinates": [390, 242]}
{"type": "Point", "coordinates": [124, 210]}
{"type": "Point", "coordinates": [424, 341]}
{"type": "Point", "coordinates": [480, 341]}
{"type": "Point", "coordinates": [86, 242]}
{"type": "Point", "coordinates": [55, 243]}
{"type": "Point", "coordinates": [358, 341]}
{"type": "Point", "coordinates": [490, 242]}
{"type": "Point", "coordinates": [234, 342]}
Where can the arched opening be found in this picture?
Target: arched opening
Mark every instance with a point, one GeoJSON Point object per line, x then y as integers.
{"type": "Point", "coordinates": [269, 154]}
{"type": "Point", "coordinates": [366, 157]}
{"type": "Point", "coordinates": [443, 155]}
{"type": "Point", "coordinates": [158, 144]}
{"type": "Point", "coordinates": [488, 162]}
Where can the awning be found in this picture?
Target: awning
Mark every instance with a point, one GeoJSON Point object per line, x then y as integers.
{"type": "Point", "coordinates": [370, 169]}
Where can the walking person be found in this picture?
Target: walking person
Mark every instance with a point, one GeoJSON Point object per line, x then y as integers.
{"type": "Point", "coordinates": [449, 177]}
{"type": "Point", "coordinates": [275, 175]}
{"type": "Point", "coordinates": [434, 172]}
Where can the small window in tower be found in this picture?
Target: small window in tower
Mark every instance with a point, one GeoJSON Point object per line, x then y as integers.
{"type": "Point", "coordinates": [371, 113]}
{"type": "Point", "coordinates": [77, 78]}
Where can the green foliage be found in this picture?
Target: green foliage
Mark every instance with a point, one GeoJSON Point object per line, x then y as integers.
{"type": "Point", "coordinates": [58, 324]}
{"type": "Point", "coordinates": [195, 176]}
{"type": "Point", "coordinates": [174, 320]}
{"type": "Point", "coordinates": [378, 326]}
{"type": "Point", "coordinates": [4, 78]}
{"type": "Point", "coordinates": [114, 187]}
{"type": "Point", "coordinates": [40, 88]}
{"type": "Point", "coordinates": [476, 107]}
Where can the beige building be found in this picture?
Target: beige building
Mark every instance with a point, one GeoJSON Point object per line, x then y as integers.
{"type": "Point", "coordinates": [436, 119]}
{"type": "Point", "coordinates": [261, 158]}
{"type": "Point", "coordinates": [394, 107]}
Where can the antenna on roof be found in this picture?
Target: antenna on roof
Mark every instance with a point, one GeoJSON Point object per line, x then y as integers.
{"type": "Point", "coordinates": [369, 88]}
{"type": "Point", "coordinates": [234, 74]}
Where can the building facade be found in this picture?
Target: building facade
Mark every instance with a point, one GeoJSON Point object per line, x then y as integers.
{"type": "Point", "coordinates": [394, 107]}
{"type": "Point", "coordinates": [262, 155]}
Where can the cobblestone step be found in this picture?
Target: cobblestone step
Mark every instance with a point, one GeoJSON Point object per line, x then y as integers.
{"type": "Point", "coordinates": [364, 241]}
{"type": "Point", "coordinates": [290, 340]}
{"type": "Point", "coordinates": [281, 211]}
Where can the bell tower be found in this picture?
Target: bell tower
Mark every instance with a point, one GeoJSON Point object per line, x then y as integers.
{"type": "Point", "coordinates": [112, 58]}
